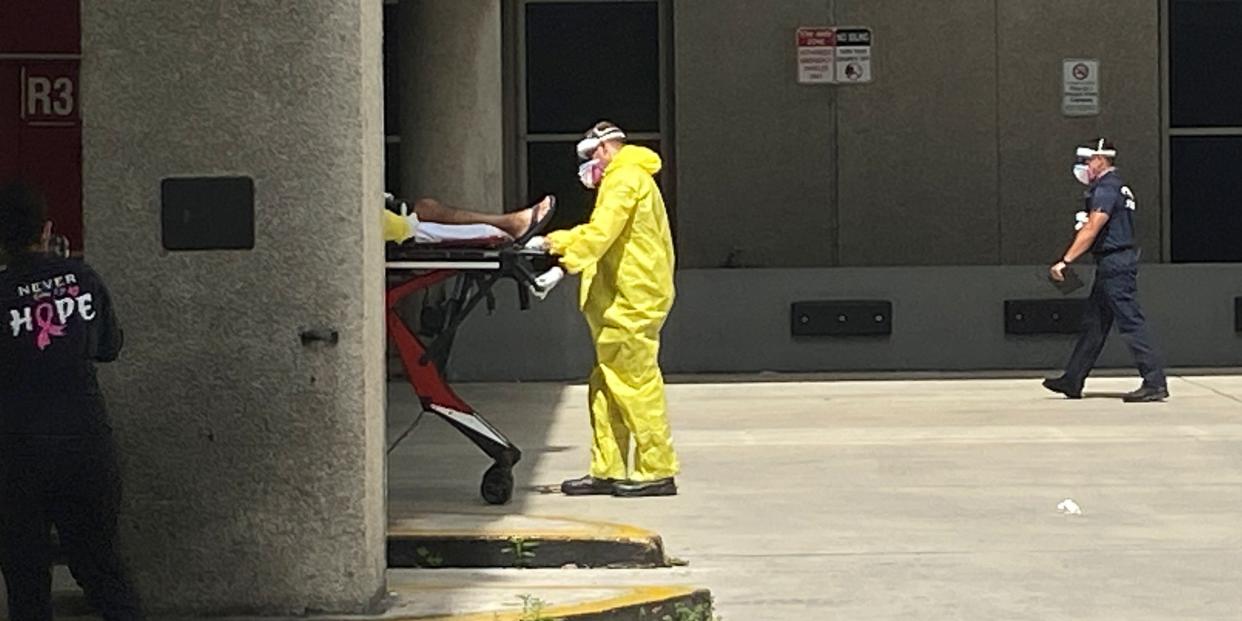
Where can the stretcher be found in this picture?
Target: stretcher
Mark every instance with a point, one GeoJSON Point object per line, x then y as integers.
{"type": "Point", "coordinates": [474, 268]}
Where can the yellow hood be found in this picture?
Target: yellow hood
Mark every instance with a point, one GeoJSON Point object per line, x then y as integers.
{"type": "Point", "coordinates": [633, 155]}
{"type": "Point", "coordinates": [625, 251]}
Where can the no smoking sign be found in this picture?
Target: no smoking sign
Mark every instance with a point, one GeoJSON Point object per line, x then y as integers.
{"type": "Point", "coordinates": [1081, 91]}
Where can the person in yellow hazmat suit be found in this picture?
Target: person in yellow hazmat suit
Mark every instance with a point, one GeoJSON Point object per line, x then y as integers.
{"type": "Point", "coordinates": [625, 257]}
{"type": "Point", "coordinates": [432, 222]}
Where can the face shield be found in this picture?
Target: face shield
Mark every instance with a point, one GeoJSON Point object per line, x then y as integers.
{"type": "Point", "coordinates": [1084, 155]}
{"type": "Point", "coordinates": [596, 137]}
{"type": "Point", "coordinates": [592, 170]}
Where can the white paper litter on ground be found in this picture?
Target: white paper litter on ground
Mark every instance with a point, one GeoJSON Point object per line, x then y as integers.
{"type": "Point", "coordinates": [1069, 507]}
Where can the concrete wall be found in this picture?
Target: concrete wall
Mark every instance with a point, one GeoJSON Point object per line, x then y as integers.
{"type": "Point", "coordinates": [755, 151]}
{"type": "Point", "coordinates": [945, 319]}
{"type": "Point", "coordinates": [954, 160]}
{"type": "Point", "coordinates": [254, 466]}
{"type": "Point", "coordinates": [918, 146]}
{"type": "Point", "coordinates": [1036, 194]}
{"type": "Point", "coordinates": [957, 154]}
{"type": "Point", "coordinates": [452, 105]}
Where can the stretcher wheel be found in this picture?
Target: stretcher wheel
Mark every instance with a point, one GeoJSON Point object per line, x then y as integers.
{"type": "Point", "coordinates": [497, 486]}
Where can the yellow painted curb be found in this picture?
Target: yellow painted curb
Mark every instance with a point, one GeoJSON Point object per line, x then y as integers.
{"type": "Point", "coordinates": [636, 596]}
{"type": "Point", "coordinates": [587, 529]}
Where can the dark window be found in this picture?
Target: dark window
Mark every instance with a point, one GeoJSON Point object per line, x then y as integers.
{"type": "Point", "coordinates": [1206, 215]}
{"type": "Point", "coordinates": [392, 65]}
{"type": "Point", "coordinates": [553, 169]}
{"type": "Point", "coordinates": [1205, 170]}
{"type": "Point", "coordinates": [1205, 54]}
{"type": "Point", "coordinates": [392, 168]}
{"type": "Point", "coordinates": [392, 98]}
{"type": "Point", "coordinates": [587, 61]}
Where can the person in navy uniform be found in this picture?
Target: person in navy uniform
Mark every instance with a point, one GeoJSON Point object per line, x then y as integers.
{"type": "Point", "coordinates": [1106, 230]}
{"type": "Point", "coordinates": [58, 464]}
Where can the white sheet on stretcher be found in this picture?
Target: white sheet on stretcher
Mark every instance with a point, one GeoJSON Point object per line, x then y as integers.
{"type": "Point", "coordinates": [435, 233]}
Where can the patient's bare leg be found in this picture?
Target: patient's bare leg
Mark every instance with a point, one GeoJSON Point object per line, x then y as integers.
{"type": "Point", "coordinates": [515, 223]}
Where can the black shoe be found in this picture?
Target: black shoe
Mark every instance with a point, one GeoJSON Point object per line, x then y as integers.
{"type": "Point", "coordinates": [637, 489]}
{"type": "Point", "coordinates": [1062, 386]}
{"type": "Point", "coordinates": [1147, 394]}
{"type": "Point", "coordinates": [588, 486]}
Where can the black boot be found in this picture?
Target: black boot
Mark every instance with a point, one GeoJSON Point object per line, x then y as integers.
{"type": "Point", "coordinates": [1147, 394]}
{"type": "Point", "coordinates": [588, 486]}
{"type": "Point", "coordinates": [637, 489]}
{"type": "Point", "coordinates": [1063, 386]}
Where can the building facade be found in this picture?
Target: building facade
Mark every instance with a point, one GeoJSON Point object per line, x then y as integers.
{"type": "Point", "coordinates": [952, 157]}
{"type": "Point", "coordinates": [931, 182]}
{"type": "Point", "coordinates": [941, 185]}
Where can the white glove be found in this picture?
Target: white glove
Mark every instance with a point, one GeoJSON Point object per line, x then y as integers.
{"type": "Point", "coordinates": [538, 242]}
{"type": "Point", "coordinates": [1081, 218]}
{"type": "Point", "coordinates": [545, 282]}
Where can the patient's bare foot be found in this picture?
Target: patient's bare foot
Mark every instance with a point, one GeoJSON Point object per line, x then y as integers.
{"type": "Point", "coordinates": [518, 222]}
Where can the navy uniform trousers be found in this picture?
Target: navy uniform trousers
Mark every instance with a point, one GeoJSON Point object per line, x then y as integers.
{"type": "Point", "coordinates": [1114, 299]}
{"type": "Point", "coordinates": [74, 484]}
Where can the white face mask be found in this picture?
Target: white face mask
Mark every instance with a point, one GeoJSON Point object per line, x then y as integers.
{"type": "Point", "coordinates": [590, 173]}
{"type": "Point", "coordinates": [1082, 173]}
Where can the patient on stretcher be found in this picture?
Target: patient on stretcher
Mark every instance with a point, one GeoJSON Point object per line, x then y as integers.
{"type": "Point", "coordinates": [430, 222]}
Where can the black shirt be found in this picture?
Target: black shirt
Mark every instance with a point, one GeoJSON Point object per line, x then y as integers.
{"type": "Point", "coordinates": [1110, 195]}
{"type": "Point", "coordinates": [57, 322]}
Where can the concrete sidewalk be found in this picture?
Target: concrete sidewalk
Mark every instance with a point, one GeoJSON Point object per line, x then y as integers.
{"type": "Point", "coordinates": [900, 499]}
{"type": "Point", "coordinates": [897, 499]}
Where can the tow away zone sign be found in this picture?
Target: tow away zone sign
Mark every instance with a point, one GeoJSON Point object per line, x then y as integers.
{"type": "Point", "coordinates": [834, 55]}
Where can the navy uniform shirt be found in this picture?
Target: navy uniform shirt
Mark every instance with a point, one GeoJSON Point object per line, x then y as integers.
{"type": "Point", "coordinates": [1110, 195]}
{"type": "Point", "coordinates": [56, 322]}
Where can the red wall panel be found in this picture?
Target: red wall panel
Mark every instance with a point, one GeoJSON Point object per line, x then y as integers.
{"type": "Point", "coordinates": [40, 128]}
{"type": "Point", "coordinates": [40, 27]}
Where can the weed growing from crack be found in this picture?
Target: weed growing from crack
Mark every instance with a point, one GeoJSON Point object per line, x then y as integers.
{"type": "Point", "coordinates": [532, 609]}
{"type": "Point", "coordinates": [429, 559]}
{"type": "Point", "coordinates": [523, 551]}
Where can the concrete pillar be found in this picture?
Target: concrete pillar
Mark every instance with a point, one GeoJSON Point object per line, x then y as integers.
{"type": "Point", "coordinates": [452, 102]}
{"type": "Point", "coordinates": [254, 465]}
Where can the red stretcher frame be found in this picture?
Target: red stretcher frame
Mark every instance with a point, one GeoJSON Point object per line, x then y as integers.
{"type": "Point", "coordinates": [477, 270]}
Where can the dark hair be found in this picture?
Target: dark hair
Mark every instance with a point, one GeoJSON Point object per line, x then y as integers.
{"type": "Point", "coordinates": [1104, 144]}
{"type": "Point", "coordinates": [604, 127]}
{"type": "Point", "coordinates": [22, 215]}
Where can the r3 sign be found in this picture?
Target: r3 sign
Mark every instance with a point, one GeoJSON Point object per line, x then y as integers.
{"type": "Point", "coordinates": [49, 95]}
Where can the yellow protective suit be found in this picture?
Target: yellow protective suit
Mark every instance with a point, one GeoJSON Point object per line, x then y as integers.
{"type": "Point", "coordinates": [396, 228]}
{"type": "Point", "coordinates": [625, 256]}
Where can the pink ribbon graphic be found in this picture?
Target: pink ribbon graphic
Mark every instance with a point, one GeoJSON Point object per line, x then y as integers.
{"type": "Point", "coordinates": [43, 315]}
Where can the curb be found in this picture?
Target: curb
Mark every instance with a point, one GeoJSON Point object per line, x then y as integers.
{"type": "Point", "coordinates": [587, 545]}
{"type": "Point", "coordinates": [640, 604]}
